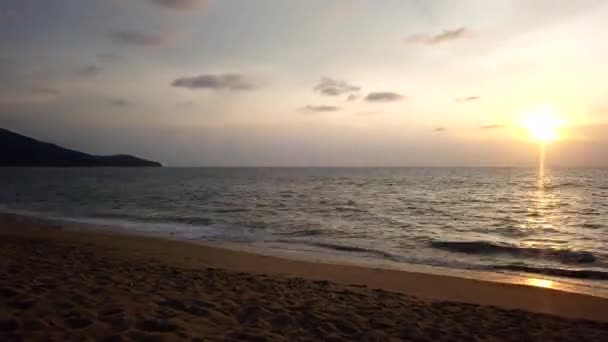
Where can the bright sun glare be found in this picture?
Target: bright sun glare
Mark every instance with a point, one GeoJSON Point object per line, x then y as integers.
{"type": "Point", "coordinates": [543, 125]}
{"type": "Point", "coordinates": [539, 282]}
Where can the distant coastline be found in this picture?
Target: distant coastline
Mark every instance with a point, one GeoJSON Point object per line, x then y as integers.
{"type": "Point", "coordinates": [19, 150]}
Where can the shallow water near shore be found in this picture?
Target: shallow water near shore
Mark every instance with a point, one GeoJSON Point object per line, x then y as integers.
{"type": "Point", "coordinates": [494, 220]}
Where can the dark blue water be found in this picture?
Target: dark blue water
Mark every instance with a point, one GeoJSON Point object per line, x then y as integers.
{"type": "Point", "coordinates": [469, 218]}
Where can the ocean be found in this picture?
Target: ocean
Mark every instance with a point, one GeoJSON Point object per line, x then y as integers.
{"type": "Point", "coordinates": [499, 220]}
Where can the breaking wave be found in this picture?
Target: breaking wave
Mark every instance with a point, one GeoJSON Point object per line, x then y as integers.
{"type": "Point", "coordinates": [483, 247]}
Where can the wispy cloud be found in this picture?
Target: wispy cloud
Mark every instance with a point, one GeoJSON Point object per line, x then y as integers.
{"type": "Point", "coordinates": [120, 102]}
{"type": "Point", "coordinates": [321, 108]}
{"type": "Point", "coordinates": [384, 96]}
{"type": "Point", "coordinates": [466, 99]}
{"type": "Point", "coordinates": [331, 87]}
{"type": "Point", "coordinates": [182, 5]}
{"type": "Point", "coordinates": [128, 37]}
{"type": "Point", "coordinates": [492, 127]}
{"type": "Point", "coordinates": [232, 82]}
{"type": "Point", "coordinates": [439, 129]}
{"type": "Point", "coordinates": [444, 36]}
{"type": "Point", "coordinates": [89, 71]}
{"type": "Point", "coordinates": [353, 97]}
{"type": "Point", "coordinates": [33, 94]}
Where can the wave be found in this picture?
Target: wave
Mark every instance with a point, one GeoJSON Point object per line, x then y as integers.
{"type": "Point", "coordinates": [175, 227]}
{"type": "Point", "coordinates": [484, 247]}
{"type": "Point", "coordinates": [560, 272]}
{"type": "Point", "coordinates": [305, 232]}
{"type": "Point", "coordinates": [194, 221]}
{"type": "Point", "coordinates": [230, 210]}
{"type": "Point", "coordinates": [550, 186]}
{"type": "Point", "coordinates": [592, 225]}
{"type": "Point", "coordinates": [349, 208]}
{"type": "Point", "coordinates": [189, 220]}
{"type": "Point", "coordinates": [344, 248]}
{"type": "Point", "coordinates": [116, 218]}
{"type": "Point", "coordinates": [562, 185]}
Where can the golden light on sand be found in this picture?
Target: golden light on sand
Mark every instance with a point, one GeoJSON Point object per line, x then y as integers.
{"type": "Point", "coordinates": [539, 282]}
{"type": "Point", "coordinates": [543, 125]}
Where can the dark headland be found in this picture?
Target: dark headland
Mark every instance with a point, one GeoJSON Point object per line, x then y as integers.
{"type": "Point", "coordinates": [19, 150]}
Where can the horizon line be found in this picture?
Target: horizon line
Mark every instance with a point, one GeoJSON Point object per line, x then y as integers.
{"type": "Point", "coordinates": [380, 166]}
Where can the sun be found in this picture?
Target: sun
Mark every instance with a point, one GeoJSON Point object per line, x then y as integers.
{"type": "Point", "coordinates": [543, 125]}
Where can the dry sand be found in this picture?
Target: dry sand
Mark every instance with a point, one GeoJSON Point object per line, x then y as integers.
{"type": "Point", "coordinates": [67, 285]}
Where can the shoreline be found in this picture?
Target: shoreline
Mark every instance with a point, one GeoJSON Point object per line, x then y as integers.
{"type": "Point", "coordinates": [63, 284]}
{"type": "Point", "coordinates": [428, 282]}
{"type": "Point", "coordinates": [512, 278]}
{"type": "Point", "coordinates": [589, 287]}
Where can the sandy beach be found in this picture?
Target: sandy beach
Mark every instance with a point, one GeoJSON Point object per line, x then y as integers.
{"type": "Point", "coordinates": [73, 285]}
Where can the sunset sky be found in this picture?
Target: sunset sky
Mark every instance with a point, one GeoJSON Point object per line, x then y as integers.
{"type": "Point", "coordinates": [308, 83]}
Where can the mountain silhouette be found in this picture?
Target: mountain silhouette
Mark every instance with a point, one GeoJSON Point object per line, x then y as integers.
{"type": "Point", "coordinates": [19, 150]}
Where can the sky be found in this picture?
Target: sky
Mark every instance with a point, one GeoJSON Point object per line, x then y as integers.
{"type": "Point", "coordinates": [308, 83]}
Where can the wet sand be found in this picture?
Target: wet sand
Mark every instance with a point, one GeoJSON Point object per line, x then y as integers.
{"type": "Point", "coordinates": [67, 285]}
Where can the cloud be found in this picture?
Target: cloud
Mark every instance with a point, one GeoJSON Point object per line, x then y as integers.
{"type": "Point", "coordinates": [232, 82]}
{"type": "Point", "coordinates": [439, 129]}
{"type": "Point", "coordinates": [126, 37]}
{"type": "Point", "coordinates": [330, 87]}
{"type": "Point", "coordinates": [384, 96]}
{"type": "Point", "coordinates": [321, 109]}
{"type": "Point", "coordinates": [492, 127]}
{"type": "Point", "coordinates": [182, 5]}
{"type": "Point", "coordinates": [353, 97]}
{"type": "Point", "coordinates": [89, 71]}
{"type": "Point", "coordinates": [468, 98]}
{"type": "Point", "coordinates": [33, 94]}
{"type": "Point", "coordinates": [120, 102]}
{"type": "Point", "coordinates": [444, 36]}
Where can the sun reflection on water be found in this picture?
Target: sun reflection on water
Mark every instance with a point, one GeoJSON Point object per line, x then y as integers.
{"type": "Point", "coordinates": [541, 162]}
{"type": "Point", "coordinates": [539, 282]}
{"type": "Point", "coordinates": [541, 204]}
